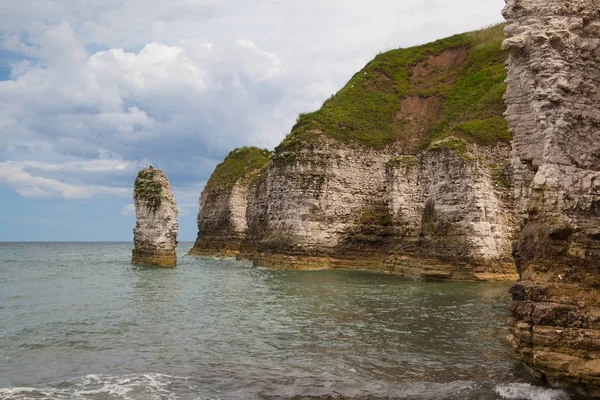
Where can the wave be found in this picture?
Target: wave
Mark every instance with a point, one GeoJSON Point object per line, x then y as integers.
{"type": "Point", "coordinates": [525, 391]}
{"type": "Point", "coordinates": [150, 386]}
{"type": "Point", "coordinates": [165, 387]}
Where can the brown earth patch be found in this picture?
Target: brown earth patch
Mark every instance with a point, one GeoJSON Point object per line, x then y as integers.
{"type": "Point", "coordinates": [414, 119]}
{"type": "Point", "coordinates": [418, 111]}
{"type": "Point", "coordinates": [438, 69]}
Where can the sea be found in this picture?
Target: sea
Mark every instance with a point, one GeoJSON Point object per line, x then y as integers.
{"type": "Point", "coordinates": [77, 321]}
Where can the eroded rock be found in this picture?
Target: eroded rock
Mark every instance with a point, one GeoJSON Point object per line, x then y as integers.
{"type": "Point", "coordinates": [554, 115]}
{"type": "Point", "coordinates": [155, 233]}
{"type": "Point", "coordinates": [222, 217]}
{"type": "Point", "coordinates": [445, 213]}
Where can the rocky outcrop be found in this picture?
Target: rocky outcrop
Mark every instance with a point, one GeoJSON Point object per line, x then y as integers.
{"type": "Point", "coordinates": [406, 170]}
{"type": "Point", "coordinates": [222, 221]}
{"type": "Point", "coordinates": [309, 201]}
{"type": "Point", "coordinates": [155, 233]}
{"type": "Point", "coordinates": [438, 214]}
{"type": "Point", "coordinates": [455, 210]}
{"type": "Point", "coordinates": [554, 114]}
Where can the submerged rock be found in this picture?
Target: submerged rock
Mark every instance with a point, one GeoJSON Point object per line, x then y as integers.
{"type": "Point", "coordinates": [553, 111]}
{"type": "Point", "coordinates": [155, 233]}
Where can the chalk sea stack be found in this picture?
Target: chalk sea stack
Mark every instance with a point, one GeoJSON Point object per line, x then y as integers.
{"type": "Point", "coordinates": [406, 170]}
{"type": "Point", "coordinates": [553, 111]}
{"type": "Point", "coordinates": [155, 233]}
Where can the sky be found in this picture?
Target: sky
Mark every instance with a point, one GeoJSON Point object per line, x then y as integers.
{"type": "Point", "coordinates": [92, 91]}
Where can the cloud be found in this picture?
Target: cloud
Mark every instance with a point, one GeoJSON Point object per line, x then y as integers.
{"type": "Point", "coordinates": [156, 68]}
{"type": "Point", "coordinates": [44, 180]}
{"type": "Point", "coordinates": [125, 103]}
{"type": "Point", "coordinates": [179, 84]}
{"type": "Point", "coordinates": [128, 210]}
{"type": "Point", "coordinates": [179, 107]}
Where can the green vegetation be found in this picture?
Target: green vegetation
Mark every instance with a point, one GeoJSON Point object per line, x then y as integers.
{"type": "Point", "coordinates": [468, 96]}
{"type": "Point", "coordinates": [242, 163]}
{"type": "Point", "coordinates": [473, 106]}
{"type": "Point", "coordinates": [148, 189]}
{"type": "Point", "coordinates": [501, 175]}
{"type": "Point", "coordinates": [452, 143]}
{"type": "Point", "coordinates": [404, 161]}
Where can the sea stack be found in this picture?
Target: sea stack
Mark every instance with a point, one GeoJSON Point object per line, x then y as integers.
{"type": "Point", "coordinates": [553, 101]}
{"type": "Point", "coordinates": [155, 233]}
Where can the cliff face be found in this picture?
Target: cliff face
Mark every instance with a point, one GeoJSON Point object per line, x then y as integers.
{"type": "Point", "coordinates": [405, 170]}
{"type": "Point", "coordinates": [554, 114]}
{"type": "Point", "coordinates": [455, 212]}
{"type": "Point", "coordinates": [439, 214]}
{"type": "Point", "coordinates": [222, 220]}
{"type": "Point", "coordinates": [310, 201]}
{"type": "Point", "coordinates": [155, 233]}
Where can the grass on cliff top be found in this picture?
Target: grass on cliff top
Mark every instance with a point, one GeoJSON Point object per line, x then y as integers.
{"type": "Point", "coordinates": [242, 163]}
{"type": "Point", "coordinates": [364, 111]}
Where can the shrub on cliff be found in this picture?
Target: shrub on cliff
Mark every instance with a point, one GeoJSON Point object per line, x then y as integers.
{"type": "Point", "coordinates": [242, 163]}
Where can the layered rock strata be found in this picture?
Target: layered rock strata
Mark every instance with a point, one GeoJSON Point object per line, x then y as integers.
{"type": "Point", "coordinates": [443, 213]}
{"type": "Point", "coordinates": [406, 170]}
{"type": "Point", "coordinates": [455, 212]}
{"type": "Point", "coordinates": [222, 221]}
{"type": "Point", "coordinates": [554, 114]}
{"type": "Point", "coordinates": [155, 233]}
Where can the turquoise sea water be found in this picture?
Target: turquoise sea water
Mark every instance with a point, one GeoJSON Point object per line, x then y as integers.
{"type": "Point", "coordinates": [77, 321]}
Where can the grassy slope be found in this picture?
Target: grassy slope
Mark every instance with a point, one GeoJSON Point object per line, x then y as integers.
{"type": "Point", "coordinates": [363, 111]}
{"type": "Point", "coordinates": [242, 163]}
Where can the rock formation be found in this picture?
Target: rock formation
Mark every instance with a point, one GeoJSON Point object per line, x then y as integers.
{"type": "Point", "coordinates": [406, 170]}
{"type": "Point", "coordinates": [553, 111]}
{"type": "Point", "coordinates": [155, 233]}
{"type": "Point", "coordinates": [222, 220]}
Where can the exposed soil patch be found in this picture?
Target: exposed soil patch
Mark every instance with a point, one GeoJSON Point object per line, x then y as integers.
{"type": "Point", "coordinates": [417, 112]}
{"type": "Point", "coordinates": [439, 69]}
{"type": "Point", "coordinates": [414, 120]}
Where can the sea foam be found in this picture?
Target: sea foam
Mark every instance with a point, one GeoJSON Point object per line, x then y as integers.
{"type": "Point", "coordinates": [525, 391]}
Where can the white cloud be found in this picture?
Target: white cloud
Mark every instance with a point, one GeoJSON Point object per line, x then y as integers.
{"type": "Point", "coordinates": [126, 122]}
{"type": "Point", "coordinates": [157, 67]}
{"type": "Point", "coordinates": [39, 180]}
{"type": "Point", "coordinates": [128, 210]}
{"type": "Point", "coordinates": [162, 102]}
{"type": "Point", "coordinates": [180, 83]}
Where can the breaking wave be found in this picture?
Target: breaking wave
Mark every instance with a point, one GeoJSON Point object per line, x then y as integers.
{"type": "Point", "coordinates": [525, 391]}
{"type": "Point", "coordinates": [128, 387]}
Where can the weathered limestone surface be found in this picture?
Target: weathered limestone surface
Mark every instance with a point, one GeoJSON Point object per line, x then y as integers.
{"type": "Point", "coordinates": [223, 220]}
{"type": "Point", "coordinates": [443, 213]}
{"type": "Point", "coordinates": [224, 203]}
{"type": "Point", "coordinates": [155, 233]}
{"type": "Point", "coordinates": [310, 203]}
{"type": "Point", "coordinates": [554, 114]}
{"type": "Point", "coordinates": [455, 210]}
